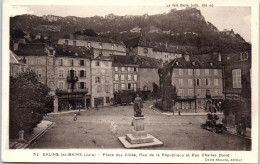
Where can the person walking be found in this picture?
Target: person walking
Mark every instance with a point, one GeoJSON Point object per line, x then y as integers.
{"type": "Point", "coordinates": [75, 117]}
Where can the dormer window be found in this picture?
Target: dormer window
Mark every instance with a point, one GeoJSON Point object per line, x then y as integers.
{"type": "Point", "coordinates": [194, 63]}
{"type": "Point", "coordinates": [244, 56]}
{"type": "Point", "coordinates": [145, 50]}
{"type": "Point", "coordinates": [51, 52]}
{"type": "Point", "coordinates": [66, 42]}
{"type": "Point", "coordinates": [100, 45]}
{"type": "Point", "coordinates": [211, 64]}
{"type": "Point", "coordinates": [177, 63]}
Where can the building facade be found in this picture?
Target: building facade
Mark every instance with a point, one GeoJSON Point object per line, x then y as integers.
{"type": "Point", "coordinates": [101, 46]}
{"type": "Point", "coordinates": [64, 69]}
{"type": "Point", "coordinates": [16, 65]}
{"type": "Point", "coordinates": [102, 81]}
{"type": "Point", "coordinates": [237, 90]}
{"type": "Point", "coordinates": [199, 85]}
{"type": "Point", "coordinates": [125, 74]}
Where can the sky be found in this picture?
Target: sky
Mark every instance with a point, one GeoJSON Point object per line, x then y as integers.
{"type": "Point", "coordinates": [236, 18]}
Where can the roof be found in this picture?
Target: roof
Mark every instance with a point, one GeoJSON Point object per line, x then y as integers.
{"type": "Point", "coordinates": [138, 41]}
{"type": "Point", "coordinates": [72, 51]}
{"type": "Point", "coordinates": [147, 62]}
{"type": "Point", "coordinates": [104, 58]}
{"type": "Point", "coordinates": [119, 60]}
{"type": "Point", "coordinates": [141, 61]}
{"type": "Point", "coordinates": [95, 39]}
{"type": "Point", "coordinates": [194, 63]}
{"type": "Point", "coordinates": [14, 59]}
{"type": "Point", "coordinates": [32, 49]}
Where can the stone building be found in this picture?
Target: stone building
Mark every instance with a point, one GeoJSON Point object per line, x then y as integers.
{"type": "Point", "coordinates": [103, 46]}
{"type": "Point", "coordinates": [125, 74]}
{"type": "Point", "coordinates": [102, 82]}
{"type": "Point", "coordinates": [140, 46]}
{"type": "Point", "coordinates": [72, 76]}
{"type": "Point", "coordinates": [199, 84]}
{"type": "Point", "coordinates": [17, 65]}
{"type": "Point", "coordinates": [237, 77]}
{"type": "Point", "coordinates": [58, 67]}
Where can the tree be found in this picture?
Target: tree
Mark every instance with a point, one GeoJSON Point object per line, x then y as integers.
{"type": "Point", "coordinates": [87, 32]}
{"type": "Point", "coordinates": [29, 102]}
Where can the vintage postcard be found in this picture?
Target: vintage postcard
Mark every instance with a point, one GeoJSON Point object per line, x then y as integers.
{"type": "Point", "coordinates": [130, 81]}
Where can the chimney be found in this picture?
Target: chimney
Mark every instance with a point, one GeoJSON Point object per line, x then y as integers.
{"type": "Point", "coordinates": [64, 47]}
{"type": "Point", "coordinates": [186, 57]}
{"type": "Point", "coordinates": [166, 45]}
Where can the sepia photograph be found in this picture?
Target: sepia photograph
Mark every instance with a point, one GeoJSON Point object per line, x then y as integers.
{"type": "Point", "coordinates": [138, 81]}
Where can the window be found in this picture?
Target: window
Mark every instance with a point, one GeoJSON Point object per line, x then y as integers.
{"type": "Point", "coordinates": [122, 77]}
{"type": "Point", "coordinates": [38, 61]}
{"type": "Point", "coordinates": [60, 62]}
{"type": "Point", "coordinates": [61, 73]}
{"type": "Point", "coordinates": [106, 88]}
{"type": "Point", "coordinates": [82, 63]}
{"type": "Point", "coordinates": [128, 69]}
{"type": "Point", "coordinates": [27, 61]}
{"type": "Point", "coordinates": [116, 77]}
{"type": "Point", "coordinates": [206, 71]}
{"type": "Point", "coordinates": [190, 92]}
{"type": "Point", "coordinates": [197, 82]}
{"type": "Point", "coordinates": [207, 82]}
{"type": "Point", "coordinates": [180, 92]}
{"type": "Point", "coordinates": [189, 72]}
{"type": "Point", "coordinates": [39, 73]}
{"type": "Point", "coordinates": [129, 86]}
{"type": "Point", "coordinates": [107, 100]}
{"type": "Point", "coordinates": [82, 73]}
{"type": "Point", "coordinates": [216, 82]}
{"type": "Point", "coordinates": [236, 76]}
{"type": "Point", "coordinates": [66, 42]}
{"type": "Point", "coordinates": [73, 72]}
{"type": "Point", "coordinates": [89, 44]}
{"type": "Point", "coordinates": [180, 71]}
{"type": "Point", "coordinates": [197, 72]}
{"type": "Point", "coordinates": [180, 82]}
{"type": "Point", "coordinates": [134, 86]}
{"type": "Point", "coordinates": [74, 43]}
{"type": "Point", "coordinates": [97, 80]}
{"type": "Point", "coordinates": [216, 92]}
{"type": "Point", "coordinates": [215, 72]}
{"type": "Point", "coordinates": [100, 45]}
{"type": "Point", "coordinates": [244, 56]}
{"type": "Point", "coordinates": [71, 62]}
{"type": "Point", "coordinates": [123, 86]}
{"type": "Point", "coordinates": [198, 91]}
{"type": "Point", "coordinates": [190, 82]}
{"type": "Point", "coordinates": [145, 50]}
{"type": "Point", "coordinates": [97, 63]}
{"type": "Point", "coordinates": [129, 77]}
{"type": "Point", "coordinates": [116, 87]}
{"type": "Point", "coordinates": [135, 69]}
{"type": "Point", "coordinates": [116, 69]}
{"type": "Point", "coordinates": [82, 85]}
{"type": "Point", "coordinates": [135, 77]}
{"type": "Point", "coordinates": [122, 69]}
{"type": "Point", "coordinates": [99, 89]}
{"type": "Point", "coordinates": [60, 85]}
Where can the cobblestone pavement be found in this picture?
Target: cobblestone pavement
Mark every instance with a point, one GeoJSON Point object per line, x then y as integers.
{"type": "Point", "coordinates": [101, 129]}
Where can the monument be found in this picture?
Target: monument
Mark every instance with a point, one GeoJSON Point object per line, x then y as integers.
{"type": "Point", "coordinates": [139, 138]}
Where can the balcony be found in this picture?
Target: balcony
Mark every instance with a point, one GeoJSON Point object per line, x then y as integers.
{"type": "Point", "coordinates": [69, 91]}
{"type": "Point", "coordinates": [186, 98]}
{"type": "Point", "coordinates": [73, 79]}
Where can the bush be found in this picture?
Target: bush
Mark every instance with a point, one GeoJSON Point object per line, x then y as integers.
{"type": "Point", "coordinates": [159, 105]}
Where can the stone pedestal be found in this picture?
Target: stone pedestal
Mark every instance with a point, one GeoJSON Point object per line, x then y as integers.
{"type": "Point", "coordinates": [139, 138]}
{"type": "Point", "coordinates": [21, 135]}
{"type": "Point", "coordinates": [56, 104]}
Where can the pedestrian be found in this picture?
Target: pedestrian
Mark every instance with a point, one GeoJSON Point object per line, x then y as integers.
{"type": "Point", "coordinates": [75, 117]}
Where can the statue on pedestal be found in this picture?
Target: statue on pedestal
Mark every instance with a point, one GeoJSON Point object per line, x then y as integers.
{"type": "Point", "coordinates": [138, 104]}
